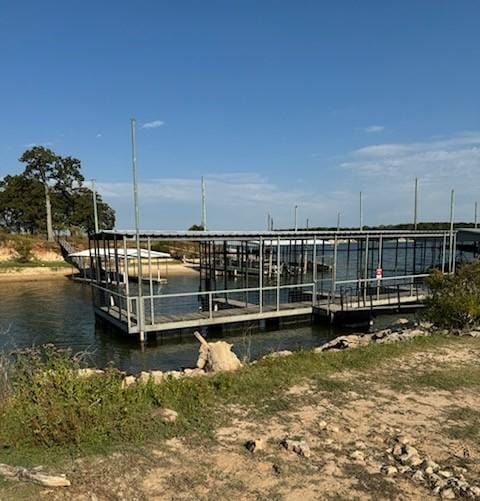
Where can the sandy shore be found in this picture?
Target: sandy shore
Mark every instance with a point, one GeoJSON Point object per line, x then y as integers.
{"type": "Point", "coordinates": [33, 274]}
{"type": "Point", "coordinates": [179, 269]}
{"type": "Point", "coordinates": [39, 273]}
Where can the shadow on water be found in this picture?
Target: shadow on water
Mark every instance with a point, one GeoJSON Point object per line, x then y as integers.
{"type": "Point", "coordinates": [60, 312]}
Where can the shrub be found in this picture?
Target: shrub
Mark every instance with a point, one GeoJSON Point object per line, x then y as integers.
{"type": "Point", "coordinates": [455, 299]}
{"type": "Point", "coordinates": [23, 247]}
{"type": "Point", "coordinates": [5, 375]}
{"type": "Point", "coordinates": [50, 404]}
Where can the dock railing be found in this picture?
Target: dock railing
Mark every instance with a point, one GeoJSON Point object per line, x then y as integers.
{"type": "Point", "coordinates": [228, 302]}
{"type": "Point", "coordinates": [164, 308]}
{"type": "Point", "coordinates": [375, 292]}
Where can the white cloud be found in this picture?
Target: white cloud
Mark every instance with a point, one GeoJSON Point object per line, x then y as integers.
{"type": "Point", "coordinates": [46, 144]}
{"type": "Point", "coordinates": [226, 190]}
{"type": "Point", "coordinates": [374, 128]}
{"type": "Point", "coordinates": [385, 174]}
{"type": "Point", "coordinates": [234, 200]}
{"type": "Point", "coordinates": [388, 172]}
{"type": "Point", "coordinates": [153, 125]}
{"type": "Point", "coordinates": [98, 135]}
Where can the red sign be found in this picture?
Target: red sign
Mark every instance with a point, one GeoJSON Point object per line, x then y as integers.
{"type": "Point", "coordinates": [378, 273]}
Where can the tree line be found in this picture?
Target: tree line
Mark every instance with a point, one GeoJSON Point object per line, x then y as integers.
{"type": "Point", "coordinates": [49, 197]}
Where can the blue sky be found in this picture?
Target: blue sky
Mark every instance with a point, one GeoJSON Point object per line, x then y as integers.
{"type": "Point", "coordinates": [276, 103]}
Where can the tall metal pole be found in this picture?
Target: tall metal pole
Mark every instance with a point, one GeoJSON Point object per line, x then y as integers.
{"type": "Point", "coordinates": [338, 221]}
{"type": "Point", "coordinates": [452, 208]}
{"type": "Point", "coordinates": [95, 210]}
{"type": "Point", "coordinates": [268, 222]}
{"type": "Point", "coordinates": [137, 228]}
{"type": "Point", "coordinates": [307, 223]}
{"type": "Point", "coordinates": [475, 222]}
{"type": "Point", "coordinates": [295, 210]}
{"type": "Point", "coordinates": [361, 211]}
{"type": "Point", "coordinates": [415, 205]}
{"type": "Point", "coordinates": [204, 206]}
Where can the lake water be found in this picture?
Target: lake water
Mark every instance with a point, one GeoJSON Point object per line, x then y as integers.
{"type": "Point", "coordinates": [60, 312]}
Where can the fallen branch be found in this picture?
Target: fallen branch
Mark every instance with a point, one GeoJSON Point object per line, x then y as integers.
{"type": "Point", "coordinates": [34, 475]}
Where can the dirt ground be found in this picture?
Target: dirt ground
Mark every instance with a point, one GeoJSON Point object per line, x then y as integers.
{"type": "Point", "coordinates": [363, 412]}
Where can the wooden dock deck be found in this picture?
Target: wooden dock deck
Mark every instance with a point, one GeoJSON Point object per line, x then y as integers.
{"type": "Point", "coordinates": [248, 312]}
{"type": "Point", "coordinates": [203, 319]}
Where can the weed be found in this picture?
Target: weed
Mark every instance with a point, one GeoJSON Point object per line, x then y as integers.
{"type": "Point", "coordinates": [448, 379]}
{"type": "Point", "coordinates": [467, 423]}
{"type": "Point", "coordinates": [51, 408]}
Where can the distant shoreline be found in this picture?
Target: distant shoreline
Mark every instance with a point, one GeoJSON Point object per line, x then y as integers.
{"type": "Point", "coordinates": [33, 274]}
{"type": "Point", "coordinates": [39, 273]}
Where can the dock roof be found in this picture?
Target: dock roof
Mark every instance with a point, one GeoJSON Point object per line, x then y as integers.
{"type": "Point", "coordinates": [271, 235]}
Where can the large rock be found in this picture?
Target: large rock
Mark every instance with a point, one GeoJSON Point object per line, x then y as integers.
{"type": "Point", "coordinates": [128, 381]}
{"type": "Point", "coordinates": [298, 446]}
{"type": "Point", "coordinates": [216, 357]}
{"type": "Point", "coordinates": [344, 342]}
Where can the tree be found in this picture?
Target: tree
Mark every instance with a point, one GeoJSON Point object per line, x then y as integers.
{"type": "Point", "coordinates": [53, 171]}
{"type": "Point", "coordinates": [41, 167]}
{"type": "Point", "coordinates": [50, 195]}
{"type": "Point", "coordinates": [82, 214]}
{"type": "Point", "coordinates": [18, 212]}
{"type": "Point", "coordinates": [196, 227]}
{"type": "Point", "coordinates": [454, 301]}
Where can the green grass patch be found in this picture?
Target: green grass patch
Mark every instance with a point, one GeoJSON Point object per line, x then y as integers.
{"type": "Point", "coordinates": [467, 423]}
{"type": "Point", "coordinates": [52, 411]}
{"type": "Point", "coordinates": [448, 379]}
{"type": "Point", "coordinates": [7, 265]}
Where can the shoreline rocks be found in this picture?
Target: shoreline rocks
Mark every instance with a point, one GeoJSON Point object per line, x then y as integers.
{"type": "Point", "coordinates": [443, 482]}
{"type": "Point", "coordinates": [300, 447]}
{"type": "Point", "coordinates": [218, 356]}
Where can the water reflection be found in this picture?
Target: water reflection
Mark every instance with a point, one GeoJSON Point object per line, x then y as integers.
{"type": "Point", "coordinates": [60, 312]}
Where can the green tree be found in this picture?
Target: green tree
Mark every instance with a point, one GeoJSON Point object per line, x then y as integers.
{"type": "Point", "coordinates": [82, 215]}
{"type": "Point", "coordinates": [454, 301]}
{"type": "Point", "coordinates": [41, 167]}
{"type": "Point", "coordinates": [18, 212]}
{"type": "Point", "coordinates": [54, 172]}
{"type": "Point", "coordinates": [50, 195]}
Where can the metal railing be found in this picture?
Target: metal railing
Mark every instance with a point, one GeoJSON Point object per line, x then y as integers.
{"type": "Point", "coordinates": [162, 308]}
{"type": "Point", "coordinates": [374, 292]}
{"type": "Point", "coordinates": [217, 303]}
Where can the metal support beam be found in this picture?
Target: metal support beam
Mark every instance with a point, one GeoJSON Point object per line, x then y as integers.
{"type": "Point", "coordinates": [415, 205]}
{"type": "Point", "coordinates": [141, 319]}
{"type": "Point", "coordinates": [361, 211]}
{"type": "Point", "coordinates": [314, 271]}
{"type": "Point", "coordinates": [452, 210]}
{"type": "Point", "coordinates": [260, 278]}
{"type": "Point", "coordinates": [278, 273]}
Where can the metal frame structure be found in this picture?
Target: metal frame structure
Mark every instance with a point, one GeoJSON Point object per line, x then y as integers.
{"type": "Point", "coordinates": [245, 276]}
